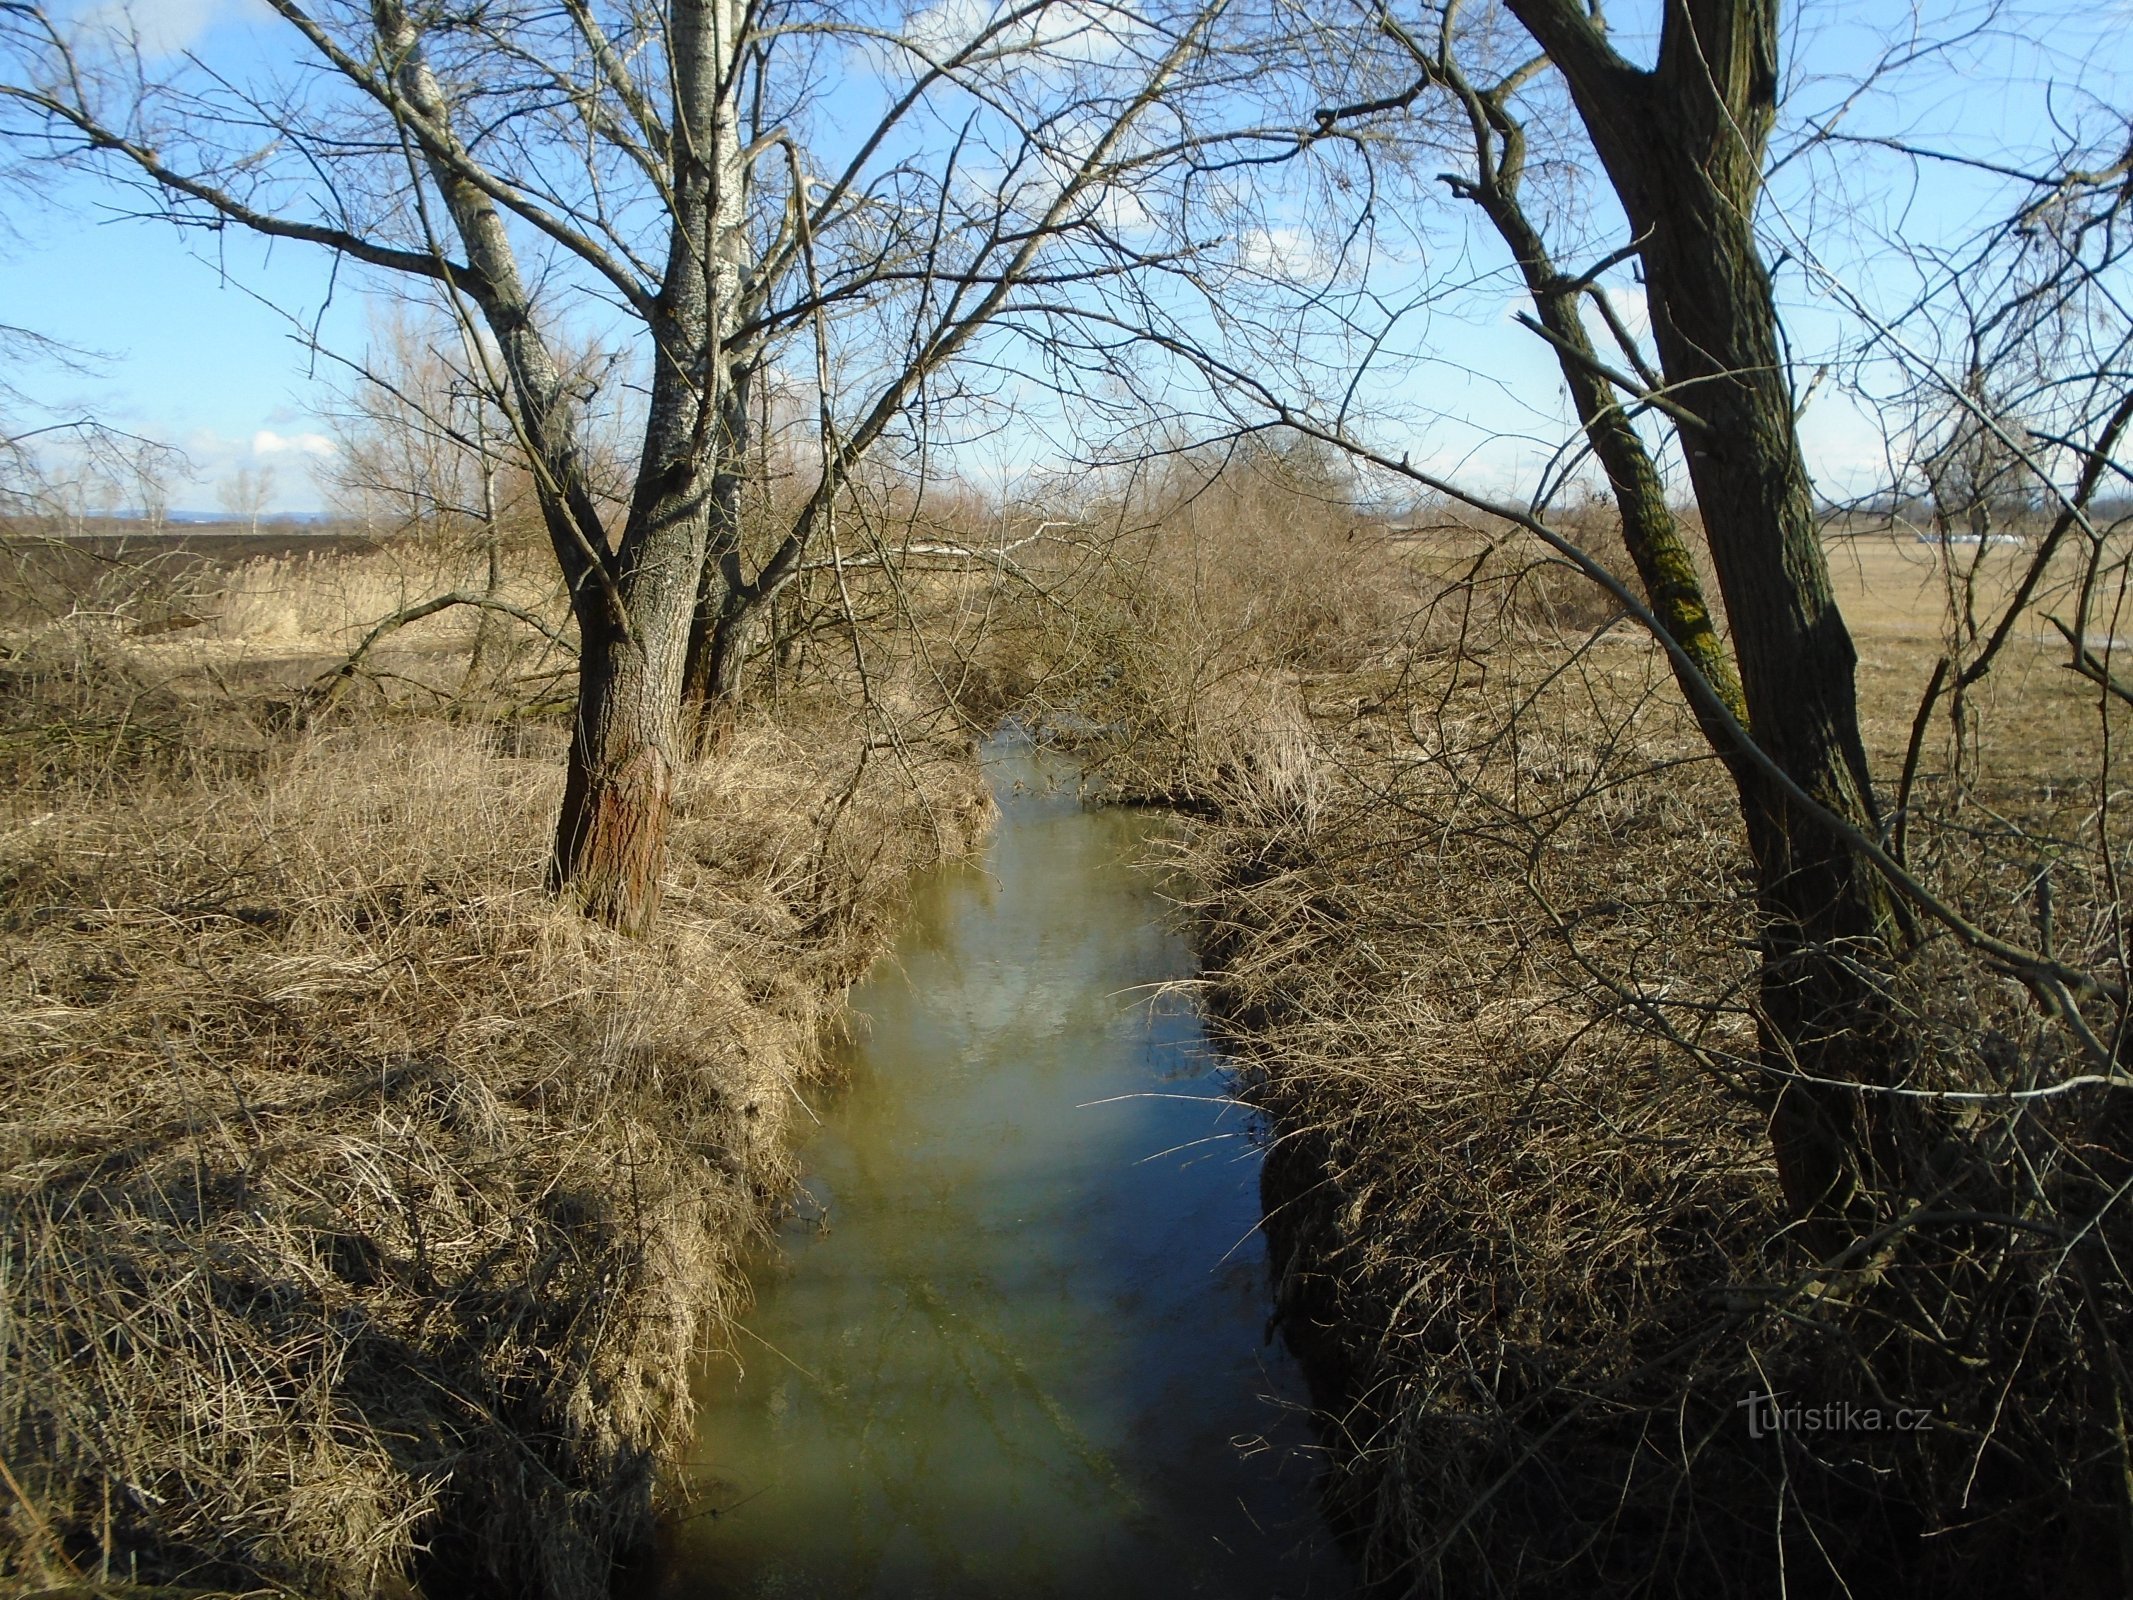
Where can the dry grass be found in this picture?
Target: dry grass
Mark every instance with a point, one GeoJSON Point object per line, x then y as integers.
{"type": "Point", "coordinates": [326, 603]}
{"type": "Point", "coordinates": [1479, 927]}
{"type": "Point", "coordinates": [1213, 591]}
{"type": "Point", "coordinates": [361, 1210]}
{"type": "Point", "coordinates": [1491, 1196]}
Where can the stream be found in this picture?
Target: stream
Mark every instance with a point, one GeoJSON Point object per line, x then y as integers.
{"type": "Point", "coordinates": [1014, 1342]}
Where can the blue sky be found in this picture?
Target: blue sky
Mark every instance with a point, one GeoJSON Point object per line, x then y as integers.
{"type": "Point", "coordinates": [184, 340]}
{"type": "Point", "coordinates": [192, 349]}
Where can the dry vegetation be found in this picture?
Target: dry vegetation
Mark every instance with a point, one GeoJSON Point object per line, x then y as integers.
{"type": "Point", "coordinates": [360, 1207]}
{"type": "Point", "coordinates": [1480, 935]}
{"type": "Point", "coordinates": [364, 1207]}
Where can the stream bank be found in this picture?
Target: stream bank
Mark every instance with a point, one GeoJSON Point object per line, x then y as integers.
{"type": "Point", "coordinates": [361, 1207]}
{"type": "Point", "coordinates": [1015, 1339]}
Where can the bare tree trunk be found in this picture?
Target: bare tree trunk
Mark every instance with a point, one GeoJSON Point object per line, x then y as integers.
{"type": "Point", "coordinates": [1683, 145]}
{"type": "Point", "coordinates": [610, 848]}
{"type": "Point", "coordinates": [711, 679]}
{"type": "Point", "coordinates": [610, 840]}
{"type": "Point", "coordinates": [611, 835]}
{"type": "Point", "coordinates": [1831, 924]}
{"type": "Point", "coordinates": [1664, 563]}
{"type": "Point", "coordinates": [726, 653]}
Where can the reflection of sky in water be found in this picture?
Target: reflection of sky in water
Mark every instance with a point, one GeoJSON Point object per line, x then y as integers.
{"type": "Point", "coordinates": [1026, 1356]}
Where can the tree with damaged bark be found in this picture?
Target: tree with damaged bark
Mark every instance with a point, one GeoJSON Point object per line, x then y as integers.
{"type": "Point", "coordinates": [540, 165]}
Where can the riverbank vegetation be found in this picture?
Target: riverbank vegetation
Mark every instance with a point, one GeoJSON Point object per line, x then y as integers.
{"type": "Point", "coordinates": [365, 1206]}
{"type": "Point", "coordinates": [1669, 913]}
{"type": "Point", "coordinates": [1483, 945]}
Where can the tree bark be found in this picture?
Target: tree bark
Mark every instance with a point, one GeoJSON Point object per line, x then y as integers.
{"type": "Point", "coordinates": [1683, 145]}
{"type": "Point", "coordinates": [1665, 565]}
{"type": "Point", "coordinates": [711, 679]}
{"type": "Point", "coordinates": [610, 846]}
{"type": "Point", "coordinates": [633, 602]}
{"type": "Point", "coordinates": [610, 850]}
{"type": "Point", "coordinates": [718, 653]}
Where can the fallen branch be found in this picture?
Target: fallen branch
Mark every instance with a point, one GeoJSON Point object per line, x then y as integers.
{"type": "Point", "coordinates": [329, 686]}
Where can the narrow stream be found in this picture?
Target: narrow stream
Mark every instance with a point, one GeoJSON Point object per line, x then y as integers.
{"type": "Point", "coordinates": [1015, 1343]}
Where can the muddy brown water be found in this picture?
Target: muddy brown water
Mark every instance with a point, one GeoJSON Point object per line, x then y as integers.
{"type": "Point", "coordinates": [1014, 1343]}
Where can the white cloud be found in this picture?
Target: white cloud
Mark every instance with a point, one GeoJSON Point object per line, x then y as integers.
{"type": "Point", "coordinates": [289, 463]}
{"type": "Point", "coordinates": [266, 442]}
{"type": "Point", "coordinates": [165, 27]}
{"type": "Point", "coordinates": [1286, 254]}
{"type": "Point", "coordinates": [1061, 34]}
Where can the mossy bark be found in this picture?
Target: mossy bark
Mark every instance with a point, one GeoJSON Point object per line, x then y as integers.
{"type": "Point", "coordinates": [1683, 144]}
{"type": "Point", "coordinates": [1665, 565]}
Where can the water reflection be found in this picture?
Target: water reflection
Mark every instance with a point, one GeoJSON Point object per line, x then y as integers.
{"type": "Point", "coordinates": [1015, 1346]}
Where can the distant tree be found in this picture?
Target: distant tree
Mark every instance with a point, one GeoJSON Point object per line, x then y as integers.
{"type": "Point", "coordinates": [61, 467]}
{"type": "Point", "coordinates": [246, 493]}
{"type": "Point", "coordinates": [424, 451]}
{"type": "Point", "coordinates": [151, 490]}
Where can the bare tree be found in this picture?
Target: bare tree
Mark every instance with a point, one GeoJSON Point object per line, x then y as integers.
{"type": "Point", "coordinates": [1605, 403]}
{"type": "Point", "coordinates": [244, 494]}
{"type": "Point", "coordinates": [538, 162]}
{"type": "Point", "coordinates": [151, 477]}
{"type": "Point", "coordinates": [425, 453]}
{"type": "Point", "coordinates": [1683, 143]}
